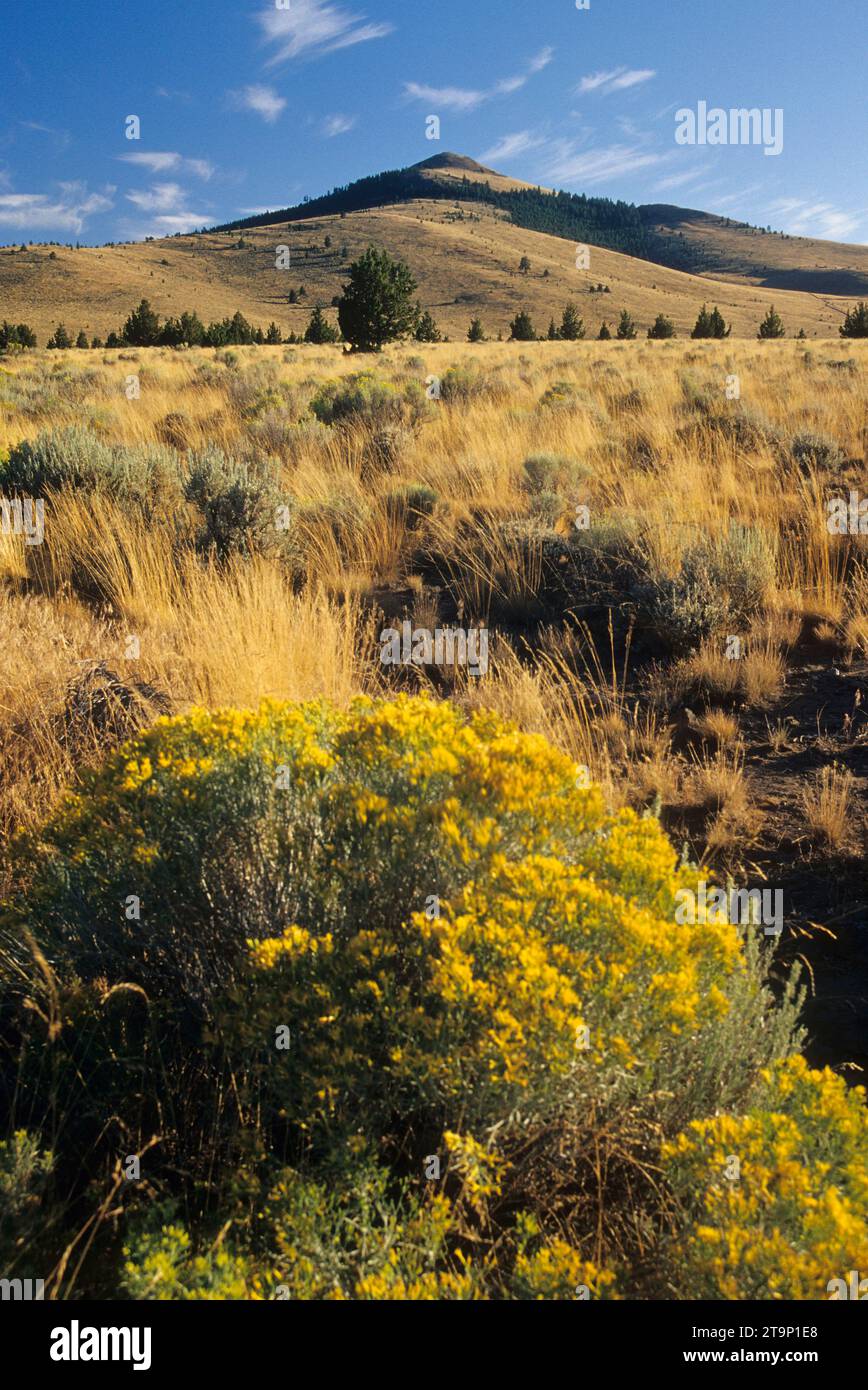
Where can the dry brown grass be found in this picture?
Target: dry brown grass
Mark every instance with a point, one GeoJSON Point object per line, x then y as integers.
{"type": "Point", "coordinates": [826, 803]}
{"type": "Point", "coordinates": [233, 634]}
{"type": "Point", "coordinates": [464, 267]}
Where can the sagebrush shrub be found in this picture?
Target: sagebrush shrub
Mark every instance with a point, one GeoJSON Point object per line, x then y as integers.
{"type": "Point", "coordinates": [722, 581]}
{"type": "Point", "coordinates": [239, 501]}
{"type": "Point", "coordinates": [816, 451]}
{"type": "Point", "coordinates": [551, 473]}
{"type": "Point", "coordinates": [76, 458]}
{"type": "Point", "coordinates": [363, 399]}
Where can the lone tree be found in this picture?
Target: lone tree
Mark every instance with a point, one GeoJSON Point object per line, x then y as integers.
{"type": "Point", "coordinates": [81, 341]}
{"type": "Point", "coordinates": [476, 333]}
{"type": "Point", "coordinates": [319, 330]}
{"type": "Point", "coordinates": [605, 332]}
{"type": "Point", "coordinates": [377, 305]}
{"type": "Point", "coordinates": [710, 325]}
{"type": "Point", "coordinates": [772, 325]}
{"type": "Point", "coordinates": [662, 327]}
{"type": "Point", "coordinates": [61, 338]}
{"type": "Point", "coordinates": [572, 325]}
{"type": "Point", "coordinates": [521, 330]}
{"type": "Point", "coordinates": [142, 328]}
{"type": "Point", "coordinates": [626, 326]}
{"type": "Point", "coordinates": [855, 324]}
{"type": "Point", "coordinates": [426, 329]}
{"type": "Point", "coordinates": [524, 265]}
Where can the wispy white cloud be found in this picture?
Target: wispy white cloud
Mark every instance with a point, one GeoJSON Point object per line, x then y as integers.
{"type": "Point", "coordinates": [168, 208]}
{"type": "Point", "coordinates": [631, 79]}
{"type": "Point", "coordinates": [168, 161]}
{"type": "Point", "coordinates": [338, 124]}
{"type": "Point", "coordinates": [170, 223]}
{"type": "Point", "coordinates": [680, 180]}
{"type": "Point", "coordinates": [542, 59]}
{"type": "Point", "coordinates": [264, 101]}
{"type": "Point", "coordinates": [67, 210]}
{"type": "Point", "coordinates": [800, 217]}
{"type": "Point", "coordinates": [568, 163]}
{"type": "Point", "coordinates": [510, 146]}
{"type": "Point", "coordinates": [61, 138]}
{"type": "Point", "coordinates": [310, 28]}
{"type": "Point", "coordinates": [507, 85]}
{"type": "Point", "coordinates": [615, 80]}
{"type": "Point", "coordinates": [452, 98]}
{"type": "Point", "coordinates": [469, 98]}
{"type": "Point", "coordinates": [160, 197]}
{"type": "Point", "coordinates": [729, 199]}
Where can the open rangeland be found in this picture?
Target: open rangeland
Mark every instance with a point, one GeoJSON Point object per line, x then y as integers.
{"type": "Point", "coordinates": [412, 996]}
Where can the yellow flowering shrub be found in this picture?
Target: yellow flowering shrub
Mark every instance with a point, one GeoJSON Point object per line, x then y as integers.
{"type": "Point", "coordinates": [777, 1198]}
{"type": "Point", "coordinates": [162, 1266]}
{"type": "Point", "coordinates": [213, 827]}
{"type": "Point", "coordinates": [367, 1239]}
{"type": "Point", "coordinates": [534, 984]}
{"type": "Point", "coordinates": [370, 941]}
{"type": "Point", "coordinates": [557, 1272]}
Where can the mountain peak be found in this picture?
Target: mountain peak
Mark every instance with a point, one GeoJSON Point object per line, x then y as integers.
{"type": "Point", "coordinates": [449, 160]}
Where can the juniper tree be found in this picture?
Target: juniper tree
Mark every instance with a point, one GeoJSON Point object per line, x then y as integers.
{"type": "Point", "coordinates": [426, 329]}
{"type": "Point", "coordinates": [142, 328]}
{"type": "Point", "coordinates": [572, 325]}
{"type": "Point", "coordinates": [60, 339]}
{"type": "Point", "coordinates": [626, 326]}
{"type": "Point", "coordinates": [319, 330]}
{"type": "Point", "coordinates": [855, 323]}
{"type": "Point", "coordinates": [377, 305]}
{"type": "Point", "coordinates": [772, 325]}
{"type": "Point", "coordinates": [475, 333]}
{"type": "Point", "coordinates": [662, 327]}
{"type": "Point", "coordinates": [193, 329]}
{"type": "Point", "coordinates": [521, 330]}
{"type": "Point", "coordinates": [710, 325]}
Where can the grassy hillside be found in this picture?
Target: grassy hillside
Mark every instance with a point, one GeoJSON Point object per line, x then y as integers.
{"type": "Point", "coordinates": [735, 251]}
{"type": "Point", "coordinates": [465, 257]}
{"type": "Point", "coordinates": [463, 229]}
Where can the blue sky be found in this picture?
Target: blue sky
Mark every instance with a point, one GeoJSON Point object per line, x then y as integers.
{"type": "Point", "coordinates": [251, 104]}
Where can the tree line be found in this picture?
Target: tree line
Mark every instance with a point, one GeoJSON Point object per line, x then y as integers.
{"type": "Point", "coordinates": [378, 306]}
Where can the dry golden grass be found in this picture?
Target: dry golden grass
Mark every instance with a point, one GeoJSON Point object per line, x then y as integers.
{"type": "Point", "coordinates": [826, 804]}
{"type": "Point", "coordinates": [465, 268]}
{"type": "Point", "coordinates": [647, 462]}
{"type": "Point", "coordinates": [718, 728]}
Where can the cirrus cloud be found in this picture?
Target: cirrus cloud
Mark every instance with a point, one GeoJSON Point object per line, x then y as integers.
{"type": "Point", "coordinates": [67, 210]}
{"type": "Point", "coordinates": [616, 80]}
{"type": "Point", "coordinates": [168, 161]}
{"type": "Point", "coordinates": [314, 27]}
{"type": "Point", "coordinates": [264, 101]}
{"type": "Point", "coordinates": [338, 124]}
{"type": "Point", "coordinates": [468, 99]}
